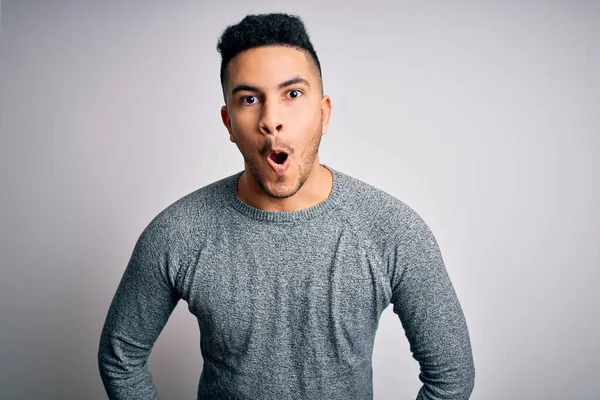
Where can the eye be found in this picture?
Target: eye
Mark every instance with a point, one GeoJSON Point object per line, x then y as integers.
{"type": "Point", "coordinates": [249, 100]}
{"type": "Point", "coordinates": [294, 93]}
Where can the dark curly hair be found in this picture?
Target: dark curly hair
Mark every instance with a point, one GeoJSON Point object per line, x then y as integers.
{"type": "Point", "coordinates": [264, 30]}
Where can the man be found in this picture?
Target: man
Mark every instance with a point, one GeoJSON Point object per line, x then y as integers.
{"type": "Point", "coordinates": [288, 264]}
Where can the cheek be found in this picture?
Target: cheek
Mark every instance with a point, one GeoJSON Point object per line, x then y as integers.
{"type": "Point", "coordinates": [304, 119]}
{"type": "Point", "coordinates": [243, 121]}
{"type": "Point", "coordinates": [244, 130]}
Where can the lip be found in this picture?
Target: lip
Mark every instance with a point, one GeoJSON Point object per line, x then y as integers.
{"type": "Point", "coordinates": [277, 151]}
{"type": "Point", "coordinates": [279, 168]}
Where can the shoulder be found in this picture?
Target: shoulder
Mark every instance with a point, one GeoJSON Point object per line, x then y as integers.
{"type": "Point", "coordinates": [189, 218]}
{"type": "Point", "coordinates": [379, 216]}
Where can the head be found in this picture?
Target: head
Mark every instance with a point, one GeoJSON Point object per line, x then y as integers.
{"type": "Point", "coordinates": [273, 92]}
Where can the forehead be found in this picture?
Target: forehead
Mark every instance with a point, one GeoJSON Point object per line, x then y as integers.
{"type": "Point", "coordinates": [268, 65]}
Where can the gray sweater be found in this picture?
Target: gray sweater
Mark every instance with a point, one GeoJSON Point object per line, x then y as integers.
{"type": "Point", "coordinates": [287, 303]}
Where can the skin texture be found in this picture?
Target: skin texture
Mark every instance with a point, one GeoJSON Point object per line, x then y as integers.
{"type": "Point", "coordinates": [261, 113]}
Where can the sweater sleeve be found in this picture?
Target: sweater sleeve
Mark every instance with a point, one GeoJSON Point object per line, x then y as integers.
{"type": "Point", "coordinates": [425, 300]}
{"type": "Point", "coordinates": [141, 306]}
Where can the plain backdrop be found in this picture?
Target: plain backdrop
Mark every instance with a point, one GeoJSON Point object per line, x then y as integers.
{"type": "Point", "coordinates": [484, 116]}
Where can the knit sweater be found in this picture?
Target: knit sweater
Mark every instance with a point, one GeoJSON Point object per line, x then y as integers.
{"type": "Point", "coordinates": [287, 303]}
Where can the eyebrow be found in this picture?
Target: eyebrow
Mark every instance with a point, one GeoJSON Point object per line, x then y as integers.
{"type": "Point", "coordinates": [293, 81]}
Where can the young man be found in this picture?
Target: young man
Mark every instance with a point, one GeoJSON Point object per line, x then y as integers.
{"type": "Point", "coordinates": [288, 264]}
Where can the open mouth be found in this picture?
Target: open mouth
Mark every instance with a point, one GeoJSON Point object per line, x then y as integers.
{"type": "Point", "coordinates": [279, 161]}
{"type": "Point", "coordinates": [278, 158]}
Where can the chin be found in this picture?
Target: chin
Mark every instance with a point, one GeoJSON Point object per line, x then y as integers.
{"type": "Point", "coordinates": [278, 188]}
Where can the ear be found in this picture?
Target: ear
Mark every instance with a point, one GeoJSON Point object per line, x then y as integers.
{"type": "Point", "coordinates": [325, 113]}
{"type": "Point", "coordinates": [227, 122]}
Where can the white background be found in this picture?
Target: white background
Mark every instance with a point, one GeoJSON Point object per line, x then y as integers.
{"type": "Point", "coordinates": [484, 116]}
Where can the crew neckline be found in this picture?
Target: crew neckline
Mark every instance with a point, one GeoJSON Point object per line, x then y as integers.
{"type": "Point", "coordinates": [286, 216]}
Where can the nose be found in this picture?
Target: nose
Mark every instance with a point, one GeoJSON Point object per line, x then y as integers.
{"type": "Point", "coordinates": [271, 120]}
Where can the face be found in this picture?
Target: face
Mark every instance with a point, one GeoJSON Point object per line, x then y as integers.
{"type": "Point", "coordinates": [274, 101]}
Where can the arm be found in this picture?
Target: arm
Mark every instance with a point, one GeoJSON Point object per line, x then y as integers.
{"type": "Point", "coordinates": [431, 315]}
{"type": "Point", "coordinates": [139, 310]}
